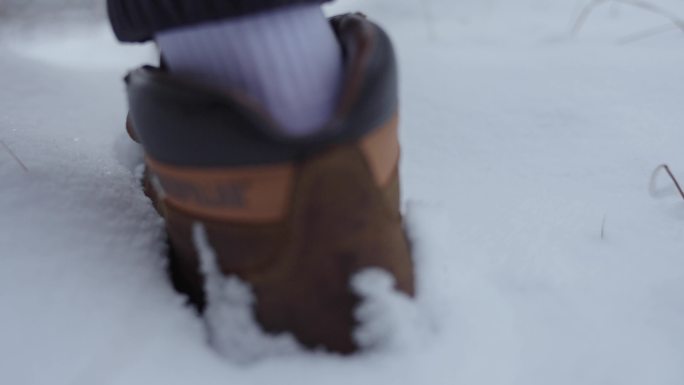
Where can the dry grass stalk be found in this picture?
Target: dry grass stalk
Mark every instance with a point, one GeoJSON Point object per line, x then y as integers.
{"type": "Point", "coordinates": [14, 156]}
{"type": "Point", "coordinates": [673, 19]}
{"type": "Point", "coordinates": [666, 168]}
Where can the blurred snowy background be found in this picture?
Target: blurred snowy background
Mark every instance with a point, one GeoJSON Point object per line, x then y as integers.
{"type": "Point", "coordinates": [29, 16]}
{"type": "Point", "coordinates": [48, 9]}
{"type": "Point", "coordinates": [530, 131]}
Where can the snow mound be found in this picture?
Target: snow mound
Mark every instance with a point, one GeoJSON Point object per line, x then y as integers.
{"type": "Point", "coordinates": [388, 319]}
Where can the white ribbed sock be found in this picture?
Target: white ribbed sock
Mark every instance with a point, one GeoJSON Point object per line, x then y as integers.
{"type": "Point", "coordinates": [287, 59]}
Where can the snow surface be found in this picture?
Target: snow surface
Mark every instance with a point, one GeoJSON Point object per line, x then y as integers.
{"type": "Point", "coordinates": [542, 257]}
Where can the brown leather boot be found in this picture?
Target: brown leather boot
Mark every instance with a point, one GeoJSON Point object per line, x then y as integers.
{"type": "Point", "coordinates": [294, 218]}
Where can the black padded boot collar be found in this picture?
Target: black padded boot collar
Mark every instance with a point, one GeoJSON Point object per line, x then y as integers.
{"type": "Point", "coordinates": [184, 124]}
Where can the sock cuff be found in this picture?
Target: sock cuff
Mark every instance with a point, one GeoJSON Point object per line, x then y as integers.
{"type": "Point", "coordinates": [140, 20]}
{"type": "Point", "coordinates": [288, 60]}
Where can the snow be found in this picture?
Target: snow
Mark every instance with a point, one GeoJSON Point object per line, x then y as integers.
{"type": "Point", "coordinates": [388, 320]}
{"type": "Point", "coordinates": [528, 151]}
{"type": "Point", "coordinates": [231, 326]}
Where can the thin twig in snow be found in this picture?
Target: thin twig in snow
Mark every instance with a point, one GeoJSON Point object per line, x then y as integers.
{"type": "Point", "coordinates": [584, 15]}
{"type": "Point", "coordinates": [14, 156]}
{"type": "Point", "coordinates": [589, 9]}
{"type": "Point", "coordinates": [603, 227]}
{"type": "Point", "coordinates": [671, 175]}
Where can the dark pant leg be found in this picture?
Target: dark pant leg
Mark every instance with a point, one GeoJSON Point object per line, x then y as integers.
{"type": "Point", "coordinates": [139, 20]}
